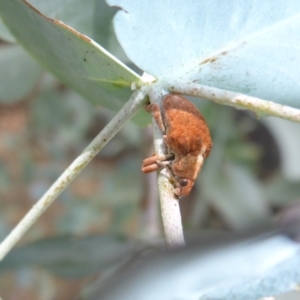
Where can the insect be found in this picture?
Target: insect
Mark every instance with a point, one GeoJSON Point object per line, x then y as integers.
{"type": "Point", "coordinates": [187, 140]}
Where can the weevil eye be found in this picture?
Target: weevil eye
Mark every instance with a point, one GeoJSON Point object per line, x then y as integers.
{"type": "Point", "coordinates": [183, 182]}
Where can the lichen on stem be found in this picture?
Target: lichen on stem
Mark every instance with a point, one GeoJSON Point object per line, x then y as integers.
{"type": "Point", "coordinates": [238, 100]}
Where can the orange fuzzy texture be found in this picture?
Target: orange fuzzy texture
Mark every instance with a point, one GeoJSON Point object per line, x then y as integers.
{"type": "Point", "coordinates": [186, 129]}
{"type": "Point", "coordinates": [187, 138]}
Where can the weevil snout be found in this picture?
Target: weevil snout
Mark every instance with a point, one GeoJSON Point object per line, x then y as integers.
{"type": "Point", "coordinates": [184, 187]}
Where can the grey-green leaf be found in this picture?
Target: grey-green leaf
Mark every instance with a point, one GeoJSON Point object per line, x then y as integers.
{"type": "Point", "coordinates": [286, 135]}
{"type": "Point", "coordinates": [19, 74]}
{"type": "Point", "coordinates": [70, 256]}
{"type": "Point", "coordinates": [222, 269]}
{"type": "Point", "coordinates": [90, 17]}
{"type": "Point", "coordinates": [248, 46]}
{"type": "Point", "coordinates": [5, 34]}
{"type": "Point", "coordinates": [237, 196]}
{"type": "Point", "coordinates": [74, 58]}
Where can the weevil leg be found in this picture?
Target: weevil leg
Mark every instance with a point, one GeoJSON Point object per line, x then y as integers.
{"type": "Point", "coordinates": [150, 168]}
{"type": "Point", "coordinates": [153, 162]}
{"type": "Point", "coordinates": [155, 110]}
{"type": "Point", "coordinates": [163, 164]}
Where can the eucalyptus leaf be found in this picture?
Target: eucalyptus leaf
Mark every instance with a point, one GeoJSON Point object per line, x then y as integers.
{"type": "Point", "coordinates": [286, 134]}
{"type": "Point", "coordinates": [78, 14]}
{"type": "Point", "coordinates": [246, 46]}
{"type": "Point", "coordinates": [19, 74]}
{"type": "Point", "coordinates": [64, 117]}
{"type": "Point", "coordinates": [68, 256]}
{"type": "Point", "coordinates": [281, 192]}
{"type": "Point", "coordinates": [122, 187]}
{"type": "Point", "coordinates": [90, 17]}
{"type": "Point", "coordinates": [5, 34]}
{"type": "Point", "coordinates": [223, 269]}
{"type": "Point", "coordinates": [237, 196]}
{"type": "Point", "coordinates": [294, 295]}
{"type": "Point", "coordinates": [74, 58]}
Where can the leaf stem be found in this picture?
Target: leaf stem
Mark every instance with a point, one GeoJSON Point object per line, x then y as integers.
{"type": "Point", "coordinates": [170, 209]}
{"type": "Point", "coordinates": [136, 101]}
{"type": "Point", "coordinates": [238, 100]}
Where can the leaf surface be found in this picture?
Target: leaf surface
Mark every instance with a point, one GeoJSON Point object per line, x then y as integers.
{"type": "Point", "coordinates": [285, 134]}
{"type": "Point", "coordinates": [5, 34]}
{"type": "Point", "coordinates": [74, 58]}
{"type": "Point", "coordinates": [220, 269]}
{"type": "Point", "coordinates": [70, 256]}
{"type": "Point", "coordinates": [237, 196]}
{"type": "Point", "coordinates": [19, 74]}
{"type": "Point", "coordinates": [250, 46]}
{"type": "Point", "coordinates": [90, 17]}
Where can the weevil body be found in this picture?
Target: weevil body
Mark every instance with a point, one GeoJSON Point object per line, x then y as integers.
{"type": "Point", "coordinates": [187, 139]}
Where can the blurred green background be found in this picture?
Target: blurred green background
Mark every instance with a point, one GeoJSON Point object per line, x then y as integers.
{"type": "Point", "coordinates": [111, 211]}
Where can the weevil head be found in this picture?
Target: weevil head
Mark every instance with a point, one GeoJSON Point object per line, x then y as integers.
{"type": "Point", "coordinates": [184, 186]}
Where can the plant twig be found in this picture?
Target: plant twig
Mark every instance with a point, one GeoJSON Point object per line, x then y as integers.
{"type": "Point", "coordinates": [136, 101]}
{"type": "Point", "coordinates": [150, 217]}
{"type": "Point", "coordinates": [257, 105]}
{"type": "Point", "coordinates": [170, 209]}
